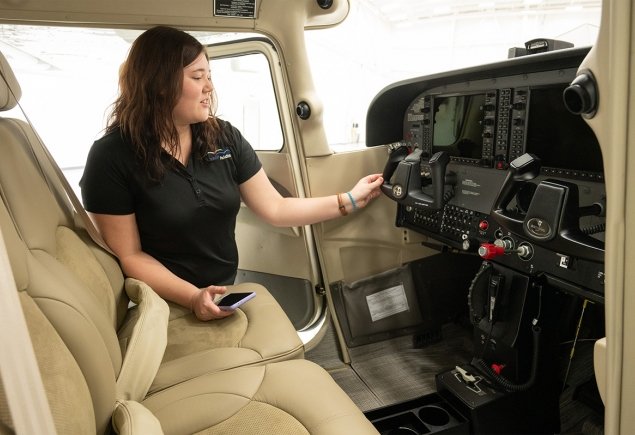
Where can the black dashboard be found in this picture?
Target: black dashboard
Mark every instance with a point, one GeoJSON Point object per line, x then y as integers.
{"type": "Point", "coordinates": [490, 160]}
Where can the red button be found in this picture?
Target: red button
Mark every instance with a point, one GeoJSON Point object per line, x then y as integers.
{"type": "Point", "coordinates": [483, 225]}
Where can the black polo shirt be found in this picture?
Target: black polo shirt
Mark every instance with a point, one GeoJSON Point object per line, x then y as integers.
{"type": "Point", "coordinates": [187, 220]}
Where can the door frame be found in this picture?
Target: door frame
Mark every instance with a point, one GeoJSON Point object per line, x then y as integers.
{"type": "Point", "coordinates": [285, 170]}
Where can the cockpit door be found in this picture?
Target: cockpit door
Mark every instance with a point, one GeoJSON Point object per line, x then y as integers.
{"type": "Point", "coordinates": [250, 89]}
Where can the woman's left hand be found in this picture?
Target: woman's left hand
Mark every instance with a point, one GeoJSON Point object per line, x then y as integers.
{"type": "Point", "coordinates": [366, 190]}
{"type": "Point", "coordinates": [203, 305]}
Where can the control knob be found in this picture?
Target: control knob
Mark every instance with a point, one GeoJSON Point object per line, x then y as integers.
{"type": "Point", "coordinates": [488, 251]}
{"type": "Point", "coordinates": [470, 244]}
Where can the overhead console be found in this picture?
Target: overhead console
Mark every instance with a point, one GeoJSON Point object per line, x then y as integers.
{"type": "Point", "coordinates": [490, 160]}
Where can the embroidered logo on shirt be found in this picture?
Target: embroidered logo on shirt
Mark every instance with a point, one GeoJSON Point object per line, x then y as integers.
{"type": "Point", "coordinates": [222, 154]}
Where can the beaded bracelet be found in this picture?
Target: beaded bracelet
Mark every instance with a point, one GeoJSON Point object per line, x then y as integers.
{"type": "Point", "coordinates": [352, 200]}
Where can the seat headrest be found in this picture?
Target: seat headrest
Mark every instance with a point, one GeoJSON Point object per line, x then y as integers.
{"type": "Point", "coordinates": [7, 98]}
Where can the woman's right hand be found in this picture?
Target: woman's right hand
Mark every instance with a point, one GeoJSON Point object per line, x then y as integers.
{"type": "Point", "coordinates": [203, 306]}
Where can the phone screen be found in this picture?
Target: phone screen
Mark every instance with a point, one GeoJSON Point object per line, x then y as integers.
{"type": "Point", "coordinates": [234, 300]}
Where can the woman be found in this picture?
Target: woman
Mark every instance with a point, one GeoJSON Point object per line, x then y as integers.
{"type": "Point", "coordinates": [164, 184]}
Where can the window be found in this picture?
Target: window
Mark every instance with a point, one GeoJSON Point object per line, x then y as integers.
{"type": "Point", "coordinates": [246, 98]}
{"type": "Point", "coordinates": [69, 79]}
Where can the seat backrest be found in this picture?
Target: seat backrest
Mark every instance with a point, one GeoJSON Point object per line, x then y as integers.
{"type": "Point", "coordinates": [65, 280]}
{"type": "Point", "coordinates": [69, 397]}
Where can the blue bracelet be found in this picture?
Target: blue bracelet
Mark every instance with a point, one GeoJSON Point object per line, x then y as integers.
{"type": "Point", "coordinates": [352, 201]}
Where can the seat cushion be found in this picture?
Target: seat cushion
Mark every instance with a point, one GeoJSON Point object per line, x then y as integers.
{"type": "Point", "coordinates": [289, 397]}
{"type": "Point", "coordinates": [258, 332]}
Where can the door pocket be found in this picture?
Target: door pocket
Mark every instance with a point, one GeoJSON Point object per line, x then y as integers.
{"type": "Point", "coordinates": [379, 307]}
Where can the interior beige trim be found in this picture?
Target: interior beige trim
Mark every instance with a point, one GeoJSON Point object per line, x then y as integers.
{"type": "Point", "coordinates": [610, 61]}
{"type": "Point", "coordinates": [248, 217]}
{"type": "Point", "coordinates": [366, 242]}
{"type": "Point", "coordinates": [620, 62]}
{"type": "Point", "coordinates": [193, 15]}
{"type": "Point", "coordinates": [599, 366]}
{"type": "Point", "coordinates": [20, 373]}
{"type": "Point", "coordinates": [318, 18]}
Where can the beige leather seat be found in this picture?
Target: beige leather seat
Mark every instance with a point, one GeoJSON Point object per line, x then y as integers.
{"type": "Point", "coordinates": [82, 370]}
{"type": "Point", "coordinates": [152, 368]}
{"type": "Point", "coordinates": [259, 333]}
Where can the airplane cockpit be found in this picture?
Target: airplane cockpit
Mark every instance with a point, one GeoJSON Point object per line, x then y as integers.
{"type": "Point", "coordinates": [481, 287]}
{"type": "Point", "coordinates": [498, 162]}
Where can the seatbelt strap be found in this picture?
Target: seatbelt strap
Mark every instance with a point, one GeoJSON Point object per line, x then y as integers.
{"type": "Point", "coordinates": [20, 374]}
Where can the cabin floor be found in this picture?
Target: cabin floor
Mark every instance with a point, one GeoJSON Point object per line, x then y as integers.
{"type": "Point", "coordinates": [394, 371]}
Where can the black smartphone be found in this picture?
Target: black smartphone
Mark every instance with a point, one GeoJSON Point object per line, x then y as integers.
{"type": "Point", "coordinates": [231, 301]}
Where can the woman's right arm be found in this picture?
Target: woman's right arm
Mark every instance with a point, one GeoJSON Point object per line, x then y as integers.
{"type": "Point", "coordinates": [121, 234]}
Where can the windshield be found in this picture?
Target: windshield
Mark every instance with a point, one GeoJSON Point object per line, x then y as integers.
{"type": "Point", "coordinates": [382, 42]}
{"type": "Point", "coordinates": [72, 72]}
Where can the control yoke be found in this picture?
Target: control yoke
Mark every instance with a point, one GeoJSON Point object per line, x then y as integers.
{"type": "Point", "coordinates": [552, 218]}
{"type": "Point", "coordinates": [524, 168]}
{"type": "Point", "coordinates": [410, 175]}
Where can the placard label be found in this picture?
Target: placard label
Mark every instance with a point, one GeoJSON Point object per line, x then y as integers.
{"type": "Point", "coordinates": [235, 8]}
{"type": "Point", "coordinates": [387, 302]}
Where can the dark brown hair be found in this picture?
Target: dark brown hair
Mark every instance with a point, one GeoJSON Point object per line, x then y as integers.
{"type": "Point", "coordinates": [150, 84]}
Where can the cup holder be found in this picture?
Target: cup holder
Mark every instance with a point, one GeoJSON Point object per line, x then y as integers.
{"type": "Point", "coordinates": [434, 416]}
{"type": "Point", "coordinates": [402, 424]}
{"type": "Point", "coordinates": [402, 431]}
{"type": "Point", "coordinates": [427, 415]}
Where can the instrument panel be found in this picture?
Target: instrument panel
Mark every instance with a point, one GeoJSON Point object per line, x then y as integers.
{"type": "Point", "coordinates": [489, 127]}
{"type": "Point", "coordinates": [496, 164]}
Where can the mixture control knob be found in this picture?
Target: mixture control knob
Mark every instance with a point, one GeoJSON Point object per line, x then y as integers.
{"type": "Point", "coordinates": [488, 251]}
